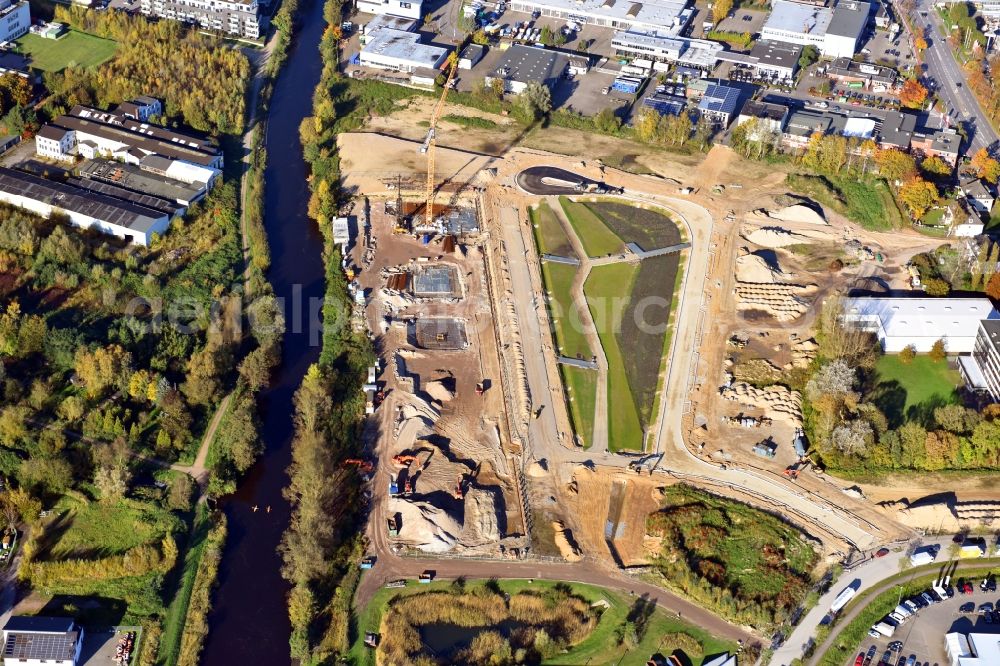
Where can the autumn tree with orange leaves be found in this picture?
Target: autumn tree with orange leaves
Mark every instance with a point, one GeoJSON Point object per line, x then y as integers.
{"type": "Point", "coordinates": [913, 94]}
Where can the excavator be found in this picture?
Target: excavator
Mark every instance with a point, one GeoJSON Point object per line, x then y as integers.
{"type": "Point", "coordinates": [364, 466]}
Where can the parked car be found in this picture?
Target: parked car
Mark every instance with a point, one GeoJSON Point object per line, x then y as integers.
{"type": "Point", "coordinates": [986, 608]}
{"type": "Point", "coordinates": [881, 552]}
{"type": "Point", "coordinates": [896, 646]}
{"type": "Point", "coordinates": [860, 659]}
{"type": "Point", "coordinates": [912, 660]}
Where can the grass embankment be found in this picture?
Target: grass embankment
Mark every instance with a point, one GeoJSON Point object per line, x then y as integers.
{"type": "Point", "coordinates": [199, 581]}
{"type": "Point", "coordinates": [473, 122]}
{"type": "Point", "coordinates": [741, 562]}
{"type": "Point", "coordinates": [658, 632]}
{"type": "Point", "coordinates": [849, 639]}
{"type": "Point", "coordinates": [570, 339]}
{"type": "Point", "coordinates": [595, 236]}
{"type": "Point", "coordinates": [607, 289]}
{"type": "Point", "coordinates": [867, 201]}
{"type": "Point", "coordinates": [923, 384]}
{"type": "Point", "coordinates": [648, 228]}
{"type": "Point", "coordinates": [73, 49]}
{"type": "Point", "coordinates": [550, 237]}
{"type": "Point", "coordinates": [581, 394]}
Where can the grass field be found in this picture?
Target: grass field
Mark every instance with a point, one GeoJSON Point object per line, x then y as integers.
{"type": "Point", "coordinates": [72, 49]}
{"type": "Point", "coordinates": [581, 393]}
{"type": "Point", "coordinates": [601, 647]}
{"type": "Point", "coordinates": [595, 236]}
{"type": "Point", "coordinates": [548, 232]}
{"type": "Point", "coordinates": [99, 529]}
{"type": "Point", "coordinates": [911, 392]}
{"type": "Point", "coordinates": [867, 202]}
{"type": "Point", "coordinates": [173, 624]}
{"type": "Point", "coordinates": [607, 290]}
{"type": "Point", "coordinates": [569, 330]}
{"type": "Point", "coordinates": [647, 228]}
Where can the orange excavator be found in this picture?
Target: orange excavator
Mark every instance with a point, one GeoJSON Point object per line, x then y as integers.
{"type": "Point", "coordinates": [404, 460]}
{"type": "Point", "coordinates": [363, 466]}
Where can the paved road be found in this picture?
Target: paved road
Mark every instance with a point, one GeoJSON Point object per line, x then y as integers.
{"type": "Point", "coordinates": [865, 575]}
{"type": "Point", "coordinates": [950, 79]}
{"type": "Point", "coordinates": [549, 181]}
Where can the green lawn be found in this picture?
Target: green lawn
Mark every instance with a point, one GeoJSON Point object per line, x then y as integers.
{"type": "Point", "coordinates": [595, 236]}
{"type": "Point", "coordinates": [581, 393]}
{"type": "Point", "coordinates": [99, 529]}
{"type": "Point", "coordinates": [72, 49]}
{"type": "Point", "coordinates": [607, 289]}
{"type": "Point", "coordinates": [867, 202]}
{"type": "Point", "coordinates": [909, 392]}
{"type": "Point", "coordinates": [569, 329]}
{"type": "Point", "coordinates": [601, 647]}
{"type": "Point", "coordinates": [548, 232]}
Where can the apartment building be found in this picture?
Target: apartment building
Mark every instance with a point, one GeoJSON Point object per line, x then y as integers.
{"type": "Point", "coordinates": [242, 18]}
{"type": "Point", "coordinates": [15, 19]}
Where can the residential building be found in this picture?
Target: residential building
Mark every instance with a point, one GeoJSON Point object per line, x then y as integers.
{"type": "Point", "coordinates": [400, 51]}
{"type": "Point", "coordinates": [242, 18]}
{"type": "Point", "coordinates": [84, 208]}
{"type": "Point", "coordinates": [522, 65]}
{"type": "Point", "coordinates": [141, 108]}
{"type": "Point", "coordinates": [771, 117]}
{"type": "Point", "coordinates": [833, 31]}
{"type": "Point", "coordinates": [15, 19]}
{"type": "Point", "coordinates": [700, 54]}
{"type": "Point", "coordinates": [876, 77]}
{"type": "Point", "coordinates": [38, 641]}
{"type": "Point", "coordinates": [405, 8]}
{"type": "Point", "coordinates": [981, 370]}
{"type": "Point", "coordinates": [979, 195]}
{"type": "Point", "coordinates": [720, 103]}
{"type": "Point", "coordinates": [776, 60]}
{"type": "Point", "coordinates": [899, 322]}
{"type": "Point", "coordinates": [55, 143]}
{"type": "Point", "coordinates": [666, 17]}
{"type": "Point", "coordinates": [943, 143]}
{"type": "Point", "coordinates": [97, 133]}
{"type": "Point", "coordinates": [962, 219]}
{"type": "Point", "coordinates": [972, 649]}
{"type": "Point", "coordinates": [897, 130]}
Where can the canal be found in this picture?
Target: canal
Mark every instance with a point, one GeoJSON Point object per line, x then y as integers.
{"type": "Point", "coordinates": [249, 620]}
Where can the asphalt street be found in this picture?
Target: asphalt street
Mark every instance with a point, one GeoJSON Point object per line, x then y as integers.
{"type": "Point", "coordinates": [549, 181]}
{"type": "Point", "coordinates": [950, 79]}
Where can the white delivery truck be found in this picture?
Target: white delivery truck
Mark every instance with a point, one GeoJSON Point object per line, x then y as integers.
{"type": "Point", "coordinates": [842, 599]}
{"type": "Point", "coordinates": [885, 629]}
{"type": "Point", "coordinates": [924, 555]}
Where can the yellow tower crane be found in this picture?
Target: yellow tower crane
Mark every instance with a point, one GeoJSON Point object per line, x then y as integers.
{"type": "Point", "coordinates": [430, 139]}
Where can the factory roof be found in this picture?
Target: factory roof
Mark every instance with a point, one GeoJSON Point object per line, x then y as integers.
{"type": "Point", "coordinates": [52, 132]}
{"type": "Point", "coordinates": [904, 317]}
{"type": "Point", "coordinates": [39, 624]}
{"type": "Point", "coordinates": [75, 199]}
{"type": "Point", "coordinates": [807, 123]}
{"type": "Point", "coordinates": [39, 639]}
{"type": "Point", "coordinates": [389, 21]}
{"type": "Point", "coordinates": [665, 14]}
{"type": "Point", "coordinates": [133, 178]}
{"type": "Point", "coordinates": [794, 17]}
{"type": "Point", "coordinates": [525, 64]}
{"type": "Point", "coordinates": [777, 54]}
{"type": "Point", "coordinates": [849, 19]}
{"type": "Point", "coordinates": [755, 109]}
{"type": "Point", "coordinates": [402, 45]}
{"type": "Point", "coordinates": [148, 130]}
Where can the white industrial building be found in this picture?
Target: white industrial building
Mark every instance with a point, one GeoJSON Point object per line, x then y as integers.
{"type": "Point", "coordinates": [41, 641]}
{"type": "Point", "coordinates": [522, 65]}
{"type": "Point", "coordinates": [400, 51]}
{"type": "Point", "coordinates": [972, 649]}
{"type": "Point", "coordinates": [698, 53]}
{"type": "Point", "coordinates": [85, 208]}
{"type": "Point", "coordinates": [899, 322]}
{"type": "Point", "coordinates": [404, 8]}
{"type": "Point", "coordinates": [667, 17]}
{"type": "Point", "coordinates": [833, 31]}
{"type": "Point", "coordinates": [15, 19]}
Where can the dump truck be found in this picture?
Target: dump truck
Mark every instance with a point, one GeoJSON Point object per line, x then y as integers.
{"type": "Point", "coordinates": [972, 549]}
{"type": "Point", "coordinates": [368, 562]}
{"type": "Point", "coordinates": [393, 526]}
{"type": "Point", "coordinates": [924, 555]}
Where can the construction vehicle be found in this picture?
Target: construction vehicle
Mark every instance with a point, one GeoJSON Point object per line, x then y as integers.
{"type": "Point", "coordinates": [408, 486]}
{"type": "Point", "coordinates": [393, 526]}
{"type": "Point", "coordinates": [393, 486]}
{"type": "Point", "coordinates": [460, 487]}
{"type": "Point", "coordinates": [426, 576]}
{"type": "Point", "coordinates": [396, 583]}
{"type": "Point", "coordinates": [480, 389]}
{"type": "Point", "coordinates": [430, 142]}
{"type": "Point", "coordinates": [363, 466]}
{"type": "Point", "coordinates": [793, 471]}
{"type": "Point", "coordinates": [404, 460]}
{"type": "Point", "coordinates": [368, 562]}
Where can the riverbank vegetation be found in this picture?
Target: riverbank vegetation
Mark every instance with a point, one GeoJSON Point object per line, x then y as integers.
{"type": "Point", "coordinates": [743, 563]}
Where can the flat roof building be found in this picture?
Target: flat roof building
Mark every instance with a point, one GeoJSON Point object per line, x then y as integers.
{"type": "Point", "coordinates": [522, 65]}
{"type": "Point", "coordinates": [835, 32]}
{"type": "Point", "coordinates": [667, 17]}
{"type": "Point", "coordinates": [405, 8]}
{"type": "Point", "coordinates": [33, 640]}
{"type": "Point", "coordinates": [771, 116]}
{"type": "Point", "coordinates": [847, 70]}
{"type": "Point", "coordinates": [400, 51]}
{"type": "Point", "coordinates": [137, 179]}
{"type": "Point", "coordinates": [776, 60]}
{"type": "Point", "coordinates": [84, 208]}
{"type": "Point", "coordinates": [698, 53]}
{"type": "Point", "coordinates": [972, 649]}
{"type": "Point", "coordinates": [899, 322]}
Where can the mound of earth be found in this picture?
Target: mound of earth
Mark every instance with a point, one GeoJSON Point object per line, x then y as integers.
{"type": "Point", "coordinates": [537, 469]}
{"type": "Point", "coordinates": [563, 541]}
{"type": "Point", "coordinates": [773, 237]}
{"type": "Point", "coordinates": [438, 391]}
{"type": "Point", "coordinates": [755, 269]}
{"type": "Point", "coordinates": [481, 524]}
{"type": "Point", "coordinates": [798, 213]}
{"type": "Point", "coordinates": [425, 526]}
{"type": "Point", "coordinates": [778, 402]}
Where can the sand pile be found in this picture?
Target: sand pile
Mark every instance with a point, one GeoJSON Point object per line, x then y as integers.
{"type": "Point", "coordinates": [481, 525]}
{"type": "Point", "coordinates": [778, 402]}
{"type": "Point", "coordinates": [796, 213]}
{"type": "Point", "coordinates": [773, 237]}
{"type": "Point", "coordinates": [755, 269]}
{"type": "Point", "coordinates": [803, 353]}
{"type": "Point", "coordinates": [564, 543]}
{"type": "Point", "coordinates": [438, 391]}
{"type": "Point", "coordinates": [425, 526]}
{"type": "Point", "coordinates": [538, 469]}
{"type": "Point", "coordinates": [784, 302]}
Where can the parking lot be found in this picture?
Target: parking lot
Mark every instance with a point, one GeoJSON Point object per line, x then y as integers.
{"type": "Point", "coordinates": [884, 50]}
{"type": "Point", "coordinates": [743, 20]}
{"type": "Point", "coordinates": [922, 634]}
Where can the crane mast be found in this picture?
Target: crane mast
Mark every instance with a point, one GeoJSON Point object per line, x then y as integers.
{"type": "Point", "coordinates": [430, 142]}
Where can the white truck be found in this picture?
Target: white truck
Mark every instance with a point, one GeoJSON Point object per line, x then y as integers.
{"type": "Point", "coordinates": [924, 555]}
{"type": "Point", "coordinates": [842, 599]}
{"type": "Point", "coordinates": [885, 629]}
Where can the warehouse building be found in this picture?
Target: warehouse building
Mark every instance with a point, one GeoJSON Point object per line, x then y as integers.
{"type": "Point", "coordinates": [899, 322]}
{"type": "Point", "coordinates": [701, 54]}
{"type": "Point", "coordinates": [405, 8]}
{"type": "Point", "coordinates": [134, 178]}
{"type": "Point", "coordinates": [835, 32]}
{"type": "Point", "coordinates": [84, 208]}
{"type": "Point", "coordinates": [666, 17]}
{"type": "Point", "coordinates": [400, 51]}
{"type": "Point", "coordinates": [522, 65]}
{"type": "Point", "coordinates": [777, 61]}
{"type": "Point", "coordinates": [32, 639]}
{"type": "Point", "coordinates": [972, 649]}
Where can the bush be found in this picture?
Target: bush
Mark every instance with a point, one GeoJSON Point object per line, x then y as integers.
{"type": "Point", "coordinates": [907, 355]}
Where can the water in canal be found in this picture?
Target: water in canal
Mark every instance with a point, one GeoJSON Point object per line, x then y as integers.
{"type": "Point", "coordinates": [249, 621]}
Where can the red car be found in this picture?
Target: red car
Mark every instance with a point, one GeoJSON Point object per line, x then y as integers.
{"type": "Point", "coordinates": [881, 552]}
{"type": "Point", "coordinates": [860, 659]}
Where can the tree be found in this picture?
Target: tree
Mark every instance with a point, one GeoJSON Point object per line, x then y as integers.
{"type": "Point", "coordinates": [913, 94]}
{"type": "Point", "coordinates": [21, 121]}
{"type": "Point", "coordinates": [102, 368]}
{"type": "Point", "coordinates": [936, 287]}
{"type": "Point", "coordinates": [935, 166]}
{"type": "Point", "coordinates": [480, 37]}
{"type": "Point", "coordinates": [920, 43]}
{"type": "Point", "coordinates": [15, 90]}
{"type": "Point", "coordinates": [810, 54]}
{"type": "Point", "coordinates": [53, 474]}
{"type": "Point", "coordinates": [895, 165]}
{"type": "Point", "coordinates": [853, 438]}
{"type": "Point", "coordinates": [957, 419]}
{"type": "Point", "coordinates": [647, 125]}
{"type": "Point", "coordinates": [836, 378]}
{"type": "Point", "coordinates": [985, 167]}
{"type": "Point", "coordinates": [907, 354]}
{"type": "Point", "coordinates": [181, 488]}
{"type": "Point", "coordinates": [721, 9]}
{"type": "Point", "coordinates": [993, 287]}
{"type": "Point", "coordinates": [255, 368]}
{"type": "Point", "coordinates": [112, 482]}
{"type": "Point", "coordinates": [918, 195]}
{"type": "Point", "coordinates": [938, 352]}
{"type": "Point", "coordinates": [13, 425]}
{"type": "Point", "coordinates": [536, 101]}
{"type": "Point", "coordinates": [678, 129]}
